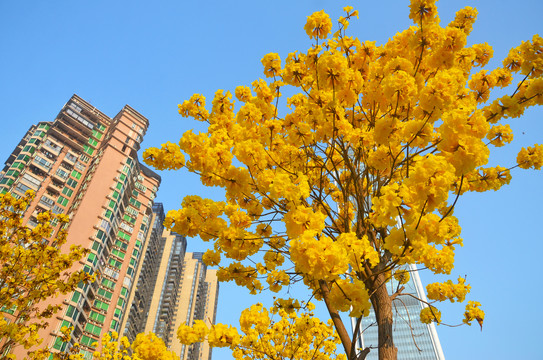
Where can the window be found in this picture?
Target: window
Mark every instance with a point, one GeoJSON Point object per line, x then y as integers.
{"type": "Point", "coordinates": [30, 149]}
{"type": "Point", "coordinates": [62, 174]}
{"type": "Point", "coordinates": [57, 209]}
{"type": "Point", "coordinates": [76, 174]}
{"type": "Point", "coordinates": [67, 192]}
{"type": "Point", "coordinates": [100, 305]}
{"type": "Point", "coordinates": [92, 259]}
{"type": "Point", "coordinates": [88, 150]}
{"type": "Point", "coordinates": [72, 312]}
{"type": "Point", "coordinates": [88, 341]}
{"type": "Point", "coordinates": [85, 158]}
{"type": "Point", "coordinates": [118, 253]}
{"type": "Point", "coordinates": [7, 181]}
{"type": "Point", "coordinates": [141, 187]}
{"type": "Point", "coordinates": [132, 211]}
{"type": "Point", "coordinates": [108, 283]}
{"type": "Point", "coordinates": [121, 245]}
{"type": "Point", "coordinates": [114, 263]}
{"type": "Point", "coordinates": [33, 182]}
{"type": "Point", "coordinates": [129, 219]}
{"type": "Point", "coordinates": [96, 134]}
{"type": "Point", "coordinates": [93, 329]}
{"type": "Point", "coordinates": [76, 296]}
{"type": "Point", "coordinates": [104, 293]}
{"type": "Point", "coordinates": [42, 162]}
{"type": "Point", "coordinates": [23, 158]}
{"type": "Point", "coordinates": [47, 201]}
{"type": "Point", "coordinates": [22, 188]}
{"type": "Point", "coordinates": [97, 317]}
{"type": "Point", "coordinates": [79, 166]}
{"type": "Point", "coordinates": [123, 235]}
{"type": "Point", "coordinates": [118, 312]}
{"type": "Point", "coordinates": [96, 246]}
{"type": "Point", "coordinates": [115, 194]}
{"type": "Point", "coordinates": [71, 183]}
{"type": "Point", "coordinates": [18, 165]}
{"type": "Point", "coordinates": [108, 214]}
{"type": "Point", "coordinates": [62, 200]}
{"type": "Point", "coordinates": [135, 203]}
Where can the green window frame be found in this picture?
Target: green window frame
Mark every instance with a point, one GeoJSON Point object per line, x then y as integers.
{"type": "Point", "coordinates": [100, 318]}
{"type": "Point", "coordinates": [71, 183]}
{"type": "Point", "coordinates": [62, 200]}
{"type": "Point", "coordinates": [76, 174]}
{"type": "Point", "coordinates": [100, 305]}
{"type": "Point", "coordinates": [68, 192]}
{"type": "Point", "coordinates": [88, 150]}
{"type": "Point", "coordinates": [108, 283]}
{"type": "Point", "coordinates": [118, 253]}
{"type": "Point", "coordinates": [88, 341]}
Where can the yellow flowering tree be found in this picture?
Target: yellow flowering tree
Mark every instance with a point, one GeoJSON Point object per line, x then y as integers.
{"type": "Point", "coordinates": [32, 269]}
{"type": "Point", "coordinates": [359, 175]}
{"type": "Point", "coordinates": [285, 331]}
{"type": "Point", "coordinates": [145, 347]}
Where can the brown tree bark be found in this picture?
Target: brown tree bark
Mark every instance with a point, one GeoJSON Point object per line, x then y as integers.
{"type": "Point", "coordinates": [338, 323]}
{"type": "Point", "coordinates": [382, 305]}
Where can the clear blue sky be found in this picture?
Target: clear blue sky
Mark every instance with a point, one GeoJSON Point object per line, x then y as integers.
{"type": "Point", "coordinates": [154, 54]}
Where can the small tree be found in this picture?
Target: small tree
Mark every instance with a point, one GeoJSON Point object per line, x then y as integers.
{"type": "Point", "coordinates": [285, 331]}
{"type": "Point", "coordinates": [362, 173]}
{"type": "Point", "coordinates": [32, 269]}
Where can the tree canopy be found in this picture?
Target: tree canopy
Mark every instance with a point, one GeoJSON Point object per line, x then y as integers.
{"type": "Point", "coordinates": [359, 174]}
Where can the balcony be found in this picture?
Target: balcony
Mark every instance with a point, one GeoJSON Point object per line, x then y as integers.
{"type": "Point", "coordinates": [60, 176]}
{"type": "Point", "coordinates": [51, 147]}
{"type": "Point", "coordinates": [55, 187]}
{"type": "Point", "coordinates": [70, 137]}
{"type": "Point", "coordinates": [42, 164]}
{"type": "Point", "coordinates": [70, 159]}
{"type": "Point", "coordinates": [77, 122]}
{"type": "Point", "coordinates": [47, 202]}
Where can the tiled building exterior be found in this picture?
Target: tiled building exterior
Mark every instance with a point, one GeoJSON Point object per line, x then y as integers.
{"type": "Point", "coordinates": [85, 164]}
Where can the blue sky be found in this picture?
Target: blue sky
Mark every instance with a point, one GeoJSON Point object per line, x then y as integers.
{"type": "Point", "coordinates": [154, 55]}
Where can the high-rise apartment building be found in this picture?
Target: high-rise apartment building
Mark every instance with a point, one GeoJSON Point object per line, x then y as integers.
{"type": "Point", "coordinates": [414, 340]}
{"type": "Point", "coordinates": [184, 291]}
{"type": "Point", "coordinates": [84, 164]}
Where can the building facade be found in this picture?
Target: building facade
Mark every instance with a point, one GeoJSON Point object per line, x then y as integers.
{"type": "Point", "coordinates": [414, 340]}
{"type": "Point", "coordinates": [185, 291]}
{"type": "Point", "coordinates": [84, 164]}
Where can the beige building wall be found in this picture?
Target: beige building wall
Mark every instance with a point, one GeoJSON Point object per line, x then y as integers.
{"type": "Point", "coordinates": [161, 280]}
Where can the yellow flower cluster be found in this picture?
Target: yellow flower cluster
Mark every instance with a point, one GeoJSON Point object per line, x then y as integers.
{"type": "Point", "coordinates": [473, 312]}
{"type": "Point", "coordinates": [531, 157]}
{"type": "Point", "coordinates": [448, 290]}
{"type": "Point", "coordinates": [318, 25]}
{"type": "Point", "coordinates": [430, 314]}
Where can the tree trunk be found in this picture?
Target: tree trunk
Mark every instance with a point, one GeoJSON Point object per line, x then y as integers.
{"type": "Point", "coordinates": [382, 305]}
{"type": "Point", "coordinates": [338, 323]}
